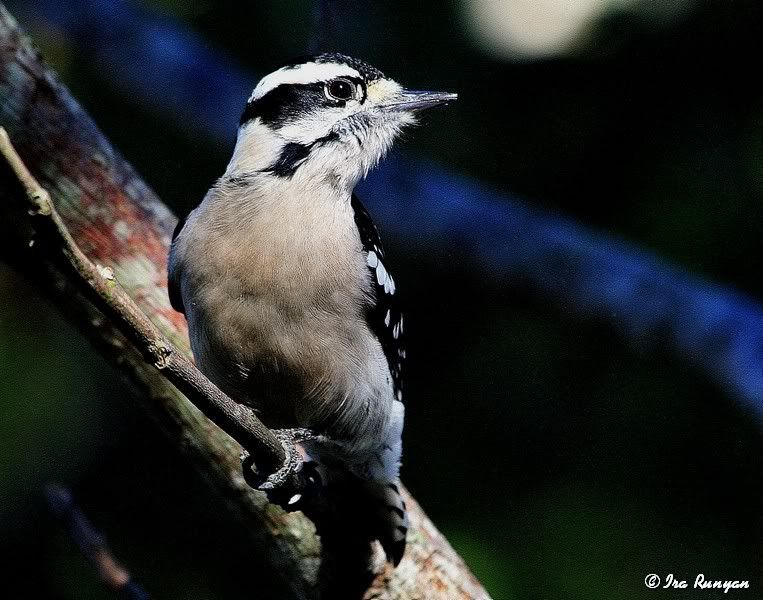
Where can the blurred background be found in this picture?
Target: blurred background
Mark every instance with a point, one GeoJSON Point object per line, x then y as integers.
{"type": "Point", "coordinates": [562, 454]}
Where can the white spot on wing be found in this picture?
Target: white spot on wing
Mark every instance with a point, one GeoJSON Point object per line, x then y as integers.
{"type": "Point", "coordinates": [372, 259]}
{"type": "Point", "coordinates": [381, 274]}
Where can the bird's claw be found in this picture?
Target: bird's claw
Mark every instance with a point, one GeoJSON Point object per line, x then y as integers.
{"type": "Point", "coordinates": [301, 496]}
{"type": "Point", "coordinates": [296, 482]}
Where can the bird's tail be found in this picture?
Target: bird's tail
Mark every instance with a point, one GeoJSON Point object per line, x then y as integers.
{"type": "Point", "coordinates": [388, 517]}
{"type": "Point", "coordinates": [356, 510]}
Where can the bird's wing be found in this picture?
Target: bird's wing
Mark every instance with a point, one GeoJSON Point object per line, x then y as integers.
{"type": "Point", "coordinates": [384, 315]}
{"type": "Point", "coordinates": [173, 277]}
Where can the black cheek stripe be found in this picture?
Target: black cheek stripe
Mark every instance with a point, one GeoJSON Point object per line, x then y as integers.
{"type": "Point", "coordinates": [284, 103]}
{"type": "Point", "coordinates": [294, 154]}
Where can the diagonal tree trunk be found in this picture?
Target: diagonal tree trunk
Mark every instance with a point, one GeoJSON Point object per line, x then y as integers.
{"type": "Point", "coordinates": [120, 223]}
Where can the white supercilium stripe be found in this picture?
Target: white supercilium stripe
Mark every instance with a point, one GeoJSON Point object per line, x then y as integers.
{"type": "Point", "coordinates": [306, 73]}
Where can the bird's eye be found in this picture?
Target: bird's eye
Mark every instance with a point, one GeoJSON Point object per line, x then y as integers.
{"type": "Point", "coordinates": [340, 89]}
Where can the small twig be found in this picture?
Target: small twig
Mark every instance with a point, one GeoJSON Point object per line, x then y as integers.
{"type": "Point", "coordinates": [92, 543]}
{"type": "Point", "coordinates": [325, 27]}
{"type": "Point", "coordinates": [102, 287]}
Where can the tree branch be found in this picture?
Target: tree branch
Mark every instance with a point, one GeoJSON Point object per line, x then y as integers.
{"type": "Point", "coordinates": [119, 223]}
{"type": "Point", "coordinates": [92, 544]}
{"type": "Point", "coordinates": [100, 284]}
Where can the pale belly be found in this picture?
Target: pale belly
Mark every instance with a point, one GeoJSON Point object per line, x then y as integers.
{"type": "Point", "coordinates": [276, 311]}
{"type": "Point", "coordinates": [298, 364]}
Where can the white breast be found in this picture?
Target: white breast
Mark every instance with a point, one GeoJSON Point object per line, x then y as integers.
{"type": "Point", "coordinates": [274, 284]}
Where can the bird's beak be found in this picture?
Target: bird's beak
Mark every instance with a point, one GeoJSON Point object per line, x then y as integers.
{"type": "Point", "coordinates": [411, 100]}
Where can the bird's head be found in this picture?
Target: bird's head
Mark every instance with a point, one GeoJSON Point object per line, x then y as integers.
{"type": "Point", "coordinates": [325, 116]}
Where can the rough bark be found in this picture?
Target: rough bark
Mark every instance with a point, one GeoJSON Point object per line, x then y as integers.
{"type": "Point", "coordinates": [120, 223]}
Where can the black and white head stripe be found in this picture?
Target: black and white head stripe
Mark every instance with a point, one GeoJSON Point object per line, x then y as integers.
{"type": "Point", "coordinates": [368, 72]}
{"type": "Point", "coordinates": [298, 87]}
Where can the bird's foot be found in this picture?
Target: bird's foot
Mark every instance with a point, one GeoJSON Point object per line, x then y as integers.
{"type": "Point", "coordinates": [296, 483]}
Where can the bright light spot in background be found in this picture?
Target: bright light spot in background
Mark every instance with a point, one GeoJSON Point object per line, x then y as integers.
{"type": "Point", "coordinates": [543, 28]}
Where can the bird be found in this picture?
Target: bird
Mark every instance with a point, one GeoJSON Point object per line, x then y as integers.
{"type": "Point", "coordinates": [280, 271]}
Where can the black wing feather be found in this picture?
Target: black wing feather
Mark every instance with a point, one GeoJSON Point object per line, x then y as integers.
{"type": "Point", "coordinates": [384, 316]}
{"type": "Point", "coordinates": [173, 289]}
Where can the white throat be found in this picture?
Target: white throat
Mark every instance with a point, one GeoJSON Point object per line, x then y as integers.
{"type": "Point", "coordinates": [339, 161]}
{"type": "Point", "coordinates": [257, 148]}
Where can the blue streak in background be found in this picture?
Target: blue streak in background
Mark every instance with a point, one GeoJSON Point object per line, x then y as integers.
{"type": "Point", "coordinates": [647, 300]}
{"type": "Point", "coordinates": [153, 59]}
{"type": "Point", "coordinates": [650, 302]}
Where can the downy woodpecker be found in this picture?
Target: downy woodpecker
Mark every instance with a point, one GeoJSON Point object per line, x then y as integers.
{"type": "Point", "coordinates": [280, 271]}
